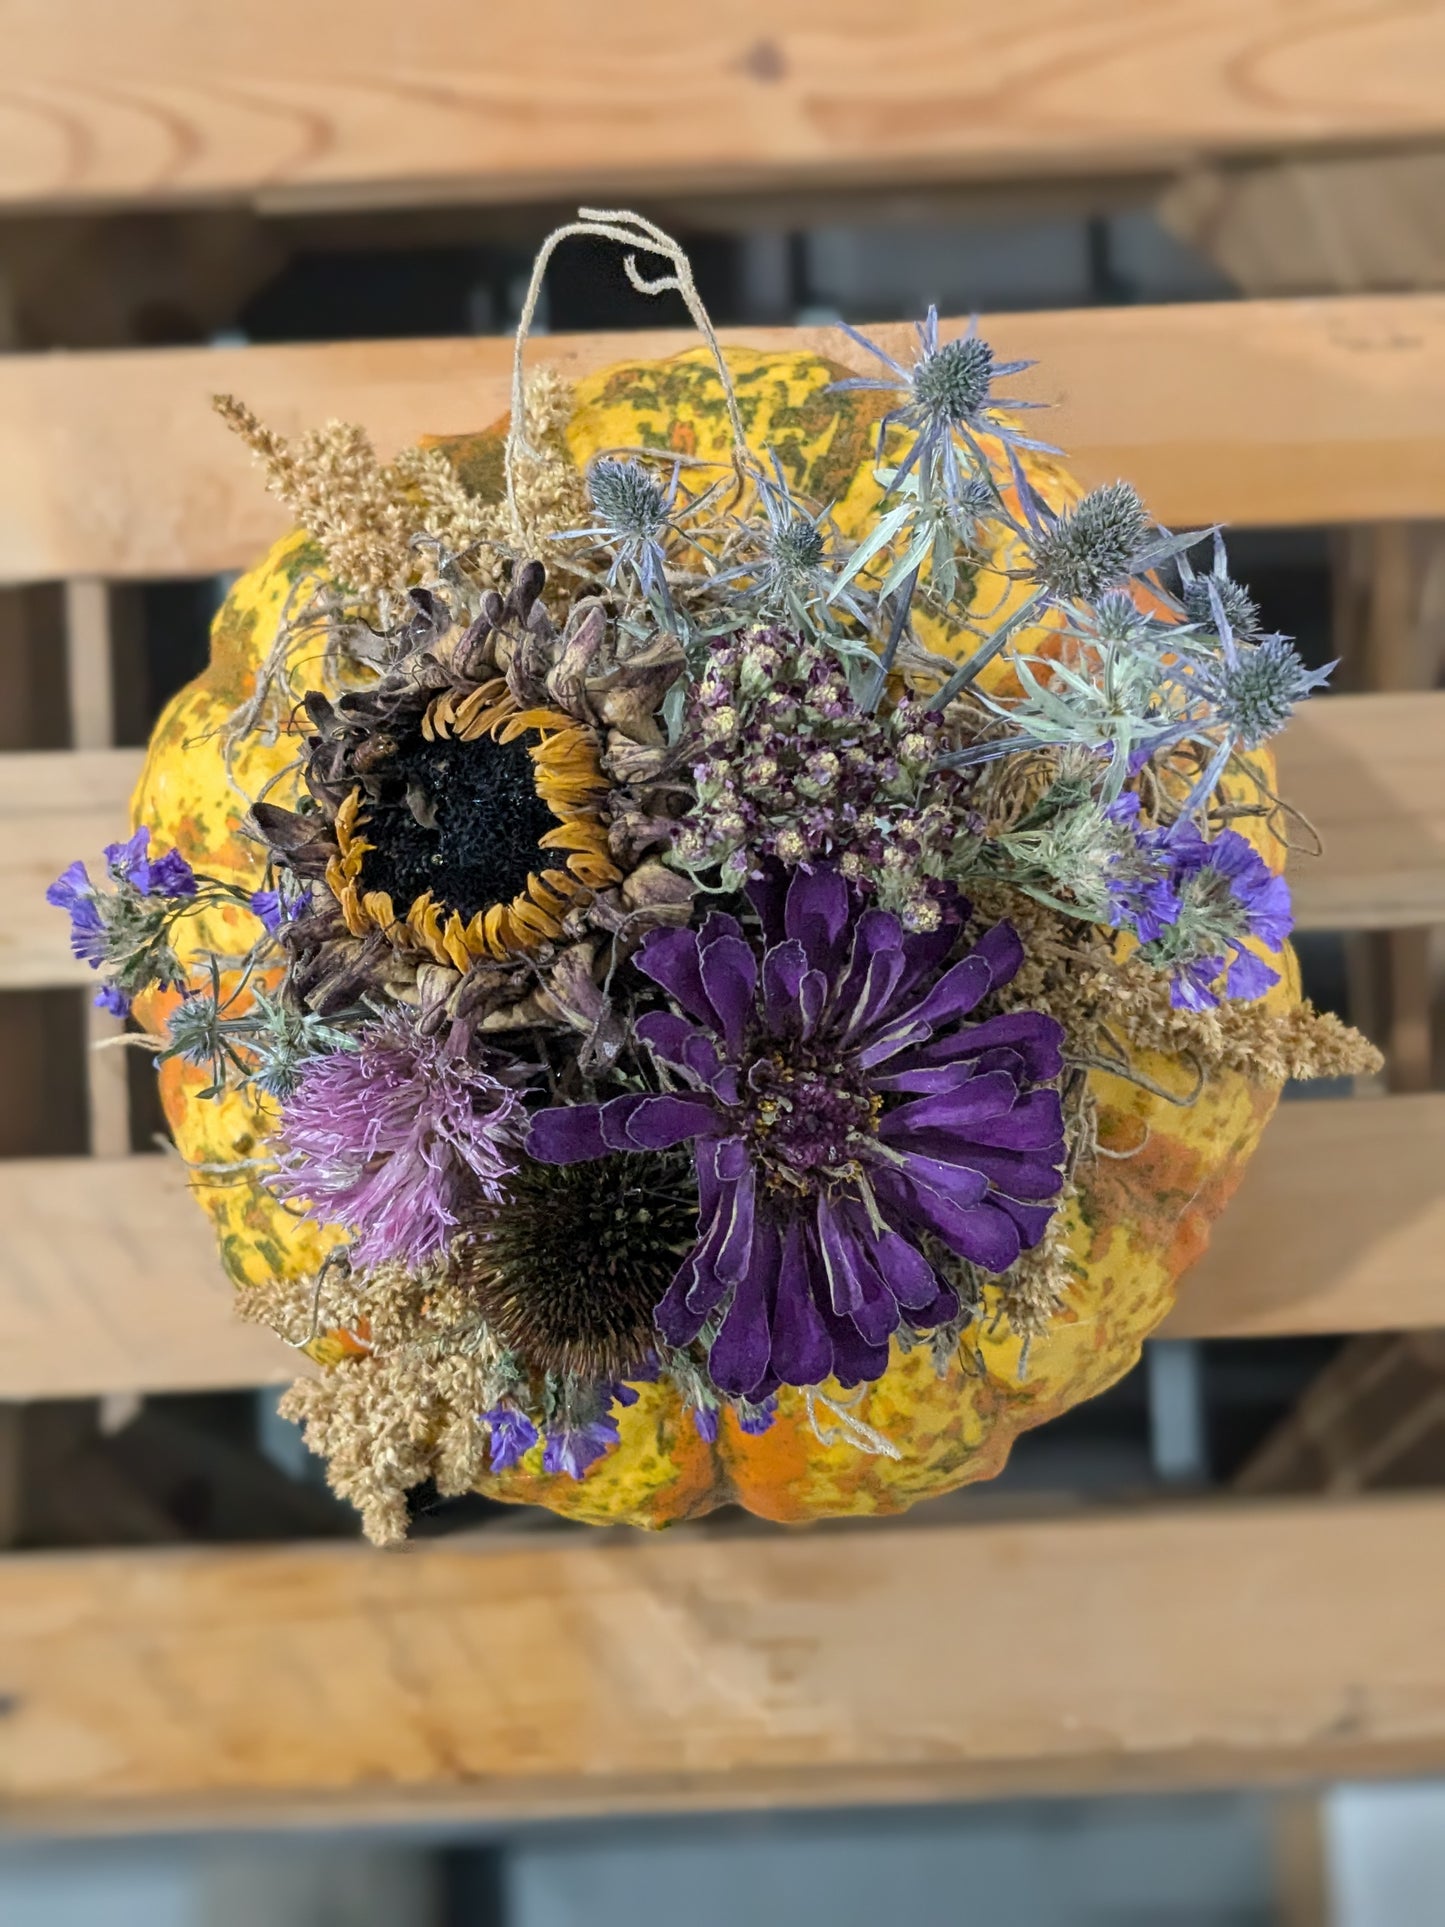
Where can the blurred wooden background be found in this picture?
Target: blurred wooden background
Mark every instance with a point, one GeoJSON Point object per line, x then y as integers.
{"type": "Point", "coordinates": [164, 169]}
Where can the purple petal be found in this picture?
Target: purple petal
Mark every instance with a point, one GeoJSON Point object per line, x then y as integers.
{"type": "Point", "coordinates": [71, 888]}
{"type": "Point", "coordinates": [735, 1255]}
{"type": "Point", "coordinates": [802, 1352]}
{"type": "Point", "coordinates": [571, 1134]}
{"type": "Point", "coordinates": [668, 1036]}
{"type": "Point", "coordinates": [670, 958]}
{"type": "Point", "coordinates": [657, 1123]}
{"type": "Point", "coordinates": [1249, 976]}
{"type": "Point", "coordinates": [784, 967]}
{"type": "Point", "coordinates": [854, 1284]}
{"type": "Point", "coordinates": [730, 979]}
{"type": "Point", "coordinates": [739, 1356]}
{"type": "Point", "coordinates": [951, 1114]}
{"type": "Point", "coordinates": [816, 914]}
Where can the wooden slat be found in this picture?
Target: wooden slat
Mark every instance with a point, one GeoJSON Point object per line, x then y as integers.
{"type": "Point", "coordinates": [109, 1281]}
{"type": "Point", "coordinates": [498, 1678]}
{"type": "Point", "coordinates": [55, 805]}
{"type": "Point", "coordinates": [1338, 1226]}
{"type": "Point", "coordinates": [379, 101]}
{"type": "Point", "coordinates": [1263, 413]}
{"type": "Point", "coordinates": [1368, 772]}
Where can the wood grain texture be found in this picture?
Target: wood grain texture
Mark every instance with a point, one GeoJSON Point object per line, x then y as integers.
{"type": "Point", "coordinates": [109, 1281]}
{"type": "Point", "coordinates": [1268, 413]}
{"type": "Point", "coordinates": [193, 99]}
{"type": "Point", "coordinates": [1338, 1226]}
{"type": "Point", "coordinates": [499, 1678]}
{"type": "Point", "coordinates": [55, 805]}
{"type": "Point", "coordinates": [1368, 772]}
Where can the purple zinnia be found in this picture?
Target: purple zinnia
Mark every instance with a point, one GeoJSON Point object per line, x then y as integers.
{"type": "Point", "coordinates": [842, 1110]}
{"type": "Point", "coordinates": [1225, 893]}
{"type": "Point", "coordinates": [393, 1139]}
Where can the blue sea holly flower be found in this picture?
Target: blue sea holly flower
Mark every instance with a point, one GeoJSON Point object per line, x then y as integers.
{"type": "Point", "coordinates": [947, 398]}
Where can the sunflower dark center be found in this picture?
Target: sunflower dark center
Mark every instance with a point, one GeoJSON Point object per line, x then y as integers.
{"type": "Point", "coordinates": [805, 1120]}
{"type": "Point", "coordinates": [461, 819]}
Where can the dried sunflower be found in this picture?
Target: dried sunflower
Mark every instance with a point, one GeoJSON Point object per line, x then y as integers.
{"type": "Point", "coordinates": [481, 808]}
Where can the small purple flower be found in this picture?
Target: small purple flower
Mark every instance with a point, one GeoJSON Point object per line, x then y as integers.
{"type": "Point", "coordinates": [704, 1418]}
{"type": "Point", "coordinates": [168, 876]}
{"type": "Point", "coordinates": [844, 1113]}
{"type": "Point", "coordinates": [279, 906]}
{"type": "Point", "coordinates": [73, 892]}
{"type": "Point", "coordinates": [1226, 893]}
{"type": "Point", "coordinates": [391, 1139]}
{"type": "Point", "coordinates": [512, 1436]}
{"type": "Point", "coordinates": [756, 1419]}
{"type": "Point", "coordinates": [112, 998]}
{"type": "Point", "coordinates": [576, 1449]}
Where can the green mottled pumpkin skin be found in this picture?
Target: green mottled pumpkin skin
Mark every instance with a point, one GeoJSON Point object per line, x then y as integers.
{"type": "Point", "coordinates": [1139, 1223]}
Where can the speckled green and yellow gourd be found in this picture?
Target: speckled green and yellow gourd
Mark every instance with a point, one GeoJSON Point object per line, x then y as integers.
{"type": "Point", "coordinates": [1135, 1228]}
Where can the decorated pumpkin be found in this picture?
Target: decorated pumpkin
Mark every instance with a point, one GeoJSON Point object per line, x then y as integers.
{"type": "Point", "coordinates": [725, 948]}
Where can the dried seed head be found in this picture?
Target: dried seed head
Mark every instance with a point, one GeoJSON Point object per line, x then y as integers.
{"type": "Point", "coordinates": [627, 499]}
{"type": "Point", "coordinates": [1241, 611]}
{"type": "Point", "coordinates": [952, 382]}
{"type": "Point", "coordinates": [1256, 693]}
{"type": "Point", "coordinates": [796, 549]}
{"type": "Point", "coordinates": [568, 1265]}
{"type": "Point", "coordinates": [1090, 548]}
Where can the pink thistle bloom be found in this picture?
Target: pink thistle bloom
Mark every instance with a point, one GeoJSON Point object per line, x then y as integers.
{"type": "Point", "coordinates": [394, 1139]}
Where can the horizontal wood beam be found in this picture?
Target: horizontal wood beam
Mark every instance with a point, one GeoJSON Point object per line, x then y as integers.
{"type": "Point", "coordinates": [109, 1280]}
{"type": "Point", "coordinates": [495, 1678]}
{"type": "Point", "coordinates": [1306, 412]}
{"type": "Point", "coordinates": [1368, 772]}
{"type": "Point", "coordinates": [293, 106]}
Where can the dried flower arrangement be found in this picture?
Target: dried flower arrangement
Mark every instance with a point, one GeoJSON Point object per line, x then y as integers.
{"type": "Point", "coordinates": [697, 936]}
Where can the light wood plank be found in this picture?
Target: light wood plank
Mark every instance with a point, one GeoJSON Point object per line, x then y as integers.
{"type": "Point", "coordinates": [498, 1678]}
{"type": "Point", "coordinates": [1264, 413]}
{"type": "Point", "coordinates": [109, 1281]}
{"type": "Point", "coordinates": [1369, 774]}
{"type": "Point", "coordinates": [305, 105]}
{"type": "Point", "coordinates": [1338, 1226]}
{"type": "Point", "coordinates": [55, 805]}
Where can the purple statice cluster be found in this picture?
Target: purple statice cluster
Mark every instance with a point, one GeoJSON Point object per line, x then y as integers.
{"type": "Point", "coordinates": [792, 767]}
{"type": "Point", "coordinates": [122, 924]}
{"type": "Point", "coordinates": [1195, 905]}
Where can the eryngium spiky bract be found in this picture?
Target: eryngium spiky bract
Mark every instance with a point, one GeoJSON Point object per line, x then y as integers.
{"type": "Point", "coordinates": [568, 1265]}
{"type": "Point", "coordinates": [953, 382]}
{"type": "Point", "coordinates": [1089, 549]}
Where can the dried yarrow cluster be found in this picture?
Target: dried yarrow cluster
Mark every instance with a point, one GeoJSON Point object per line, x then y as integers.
{"type": "Point", "coordinates": [666, 966]}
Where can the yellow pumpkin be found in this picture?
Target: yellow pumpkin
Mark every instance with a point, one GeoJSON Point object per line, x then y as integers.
{"type": "Point", "coordinates": [1137, 1224]}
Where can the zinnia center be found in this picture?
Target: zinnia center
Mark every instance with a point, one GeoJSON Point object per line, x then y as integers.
{"type": "Point", "coordinates": [461, 819]}
{"type": "Point", "coordinates": [806, 1121]}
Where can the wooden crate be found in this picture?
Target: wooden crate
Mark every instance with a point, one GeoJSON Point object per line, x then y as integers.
{"type": "Point", "coordinates": [508, 1676]}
